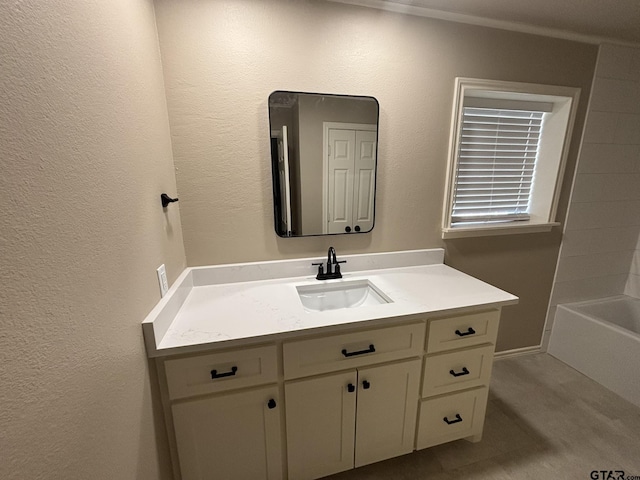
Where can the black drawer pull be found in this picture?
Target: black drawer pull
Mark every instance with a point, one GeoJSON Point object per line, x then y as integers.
{"type": "Point", "coordinates": [451, 422]}
{"type": "Point", "coordinates": [459, 374]}
{"type": "Point", "coordinates": [271, 404]}
{"type": "Point", "coordinates": [471, 331]}
{"type": "Point", "coordinates": [215, 374]}
{"type": "Point", "coordinates": [366, 385]}
{"type": "Point", "coordinates": [351, 388]}
{"type": "Point", "coordinates": [371, 349]}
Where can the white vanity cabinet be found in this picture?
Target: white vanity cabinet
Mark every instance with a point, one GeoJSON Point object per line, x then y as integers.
{"type": "Point", "coordinates": [457, 369]}
{"type": "Point", "coordinates": [231, 436]}
{"type": "Point", "coordinates": [314, 405]}
{"type": "Point", "coordinates": [338, 421]}
{"type": "Point", "coordinates": [256, 386]}
{"type": "Point", "coordinates": [224, 430]}
{"type": "Point", "coordinates": [356, 417]}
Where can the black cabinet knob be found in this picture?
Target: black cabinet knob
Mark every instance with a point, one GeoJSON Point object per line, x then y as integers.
{"type": "Point", "coordinates": [366, 385]}
{"type": "Point", "coordinates": [271, 404]}
{"type": "Point", "coordinates": [357, 228]}
{"type": "Point", "coordinates": [347, 229]}
{"type": "Point", "coordinates": [351, 388]}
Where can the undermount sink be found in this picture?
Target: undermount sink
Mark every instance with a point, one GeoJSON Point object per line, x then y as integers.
{"type": "Point", "coordinates": [334, 296]}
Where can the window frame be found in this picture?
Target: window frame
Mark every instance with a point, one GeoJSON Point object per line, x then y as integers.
{"type": "Point", "coordinates": [555, 151]}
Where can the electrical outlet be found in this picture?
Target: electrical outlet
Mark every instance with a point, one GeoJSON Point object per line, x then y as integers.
{"type": "Point", "coordinates": [162, 280]}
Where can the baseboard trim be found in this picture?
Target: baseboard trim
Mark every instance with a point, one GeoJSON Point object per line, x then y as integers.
{"type": "Point", "coordinates": [516, 352]}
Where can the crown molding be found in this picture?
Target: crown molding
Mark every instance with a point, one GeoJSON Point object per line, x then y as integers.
{"type": "Point", "coordinates": [486, 22]}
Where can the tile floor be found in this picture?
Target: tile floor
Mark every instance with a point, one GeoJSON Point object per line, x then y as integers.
{"type": "Point", "coordinates": [544, 421]}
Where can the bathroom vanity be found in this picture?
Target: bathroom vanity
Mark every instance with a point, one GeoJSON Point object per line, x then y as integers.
{"type": "Point", "coordinates": [260, 382]}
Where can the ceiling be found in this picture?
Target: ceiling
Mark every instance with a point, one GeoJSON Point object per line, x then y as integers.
{"type": "Point", "coordinates": [594, 21]}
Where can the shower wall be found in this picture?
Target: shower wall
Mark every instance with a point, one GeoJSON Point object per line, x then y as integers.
{"type": "Point", "coordinates": [633, 282]}
{"type": "Point", "coordinates": [600, 249]}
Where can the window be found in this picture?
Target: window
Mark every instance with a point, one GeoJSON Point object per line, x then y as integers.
{"type": "Point", "coordinates": [508, 148]}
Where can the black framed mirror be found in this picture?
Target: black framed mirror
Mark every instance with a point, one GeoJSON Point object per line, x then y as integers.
{"type": "Point", "coordinates": [324, 150]}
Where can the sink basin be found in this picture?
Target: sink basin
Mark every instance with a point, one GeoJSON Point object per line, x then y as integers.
{"type": "Point", "coordinates": [334, 296]}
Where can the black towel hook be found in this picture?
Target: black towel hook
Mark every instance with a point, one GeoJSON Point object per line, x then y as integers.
{"type": "Point", "coordinates": [166, 200]}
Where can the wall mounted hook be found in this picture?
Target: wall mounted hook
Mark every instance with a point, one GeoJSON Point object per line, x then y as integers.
{"type": "Point", "coordinates": [166, 200]}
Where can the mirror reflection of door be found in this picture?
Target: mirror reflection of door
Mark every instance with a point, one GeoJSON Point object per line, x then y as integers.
{"type": "Point", "coordinates": [349, 177]}
{"type": "Point", "coordinates": [283, 173]}
{"type": "Point", "coordinates": [284, 207]}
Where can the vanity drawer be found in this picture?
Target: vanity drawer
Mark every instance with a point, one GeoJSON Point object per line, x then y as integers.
{"type": "Point", "coordinates": [221, 371]}
{"type": "Point", "coordinates": [448, 372]}
{"type": "Point", "coordinates": [463, 331]}
{"type": "Point", "coordinates": [451, 417]}
{"type": "Point", "coordinates": [338, 352]}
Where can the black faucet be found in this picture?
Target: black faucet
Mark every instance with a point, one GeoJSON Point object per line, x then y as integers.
{"type": "Point", "coordinates": [331, 273]}
{"type": "Point", "coordinates": [331, 258]}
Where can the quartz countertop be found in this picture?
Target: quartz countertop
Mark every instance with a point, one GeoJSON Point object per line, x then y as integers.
{"type": "Point", "coordinates": [203, 315]}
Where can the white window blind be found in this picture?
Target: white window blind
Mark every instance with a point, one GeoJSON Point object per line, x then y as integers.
{"type": "Point", "coordinates": [496, 163]}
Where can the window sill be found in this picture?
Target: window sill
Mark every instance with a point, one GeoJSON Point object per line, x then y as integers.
{"type": "Point", "coordinates": [494, 230]}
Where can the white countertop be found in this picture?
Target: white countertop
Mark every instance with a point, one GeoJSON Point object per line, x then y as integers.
{"type": "Point", "coordinates": [200, 316]}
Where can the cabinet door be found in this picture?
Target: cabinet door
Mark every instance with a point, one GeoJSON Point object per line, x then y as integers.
{"type": "Point", "coordinates": [321, 415]}
{"type": "Point", "coordinates": [387, 407]}
{"type": "Point", "coordinates": [234, 436]}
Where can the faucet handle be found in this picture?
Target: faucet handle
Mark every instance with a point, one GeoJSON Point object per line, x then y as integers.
{"type": "Point", "coordinates": [337, 269]}
{"type": "Point", "coordinates": [320, 275]}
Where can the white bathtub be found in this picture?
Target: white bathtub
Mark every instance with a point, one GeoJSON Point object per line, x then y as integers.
{"type": "Point", "coordinates": [601, 339]}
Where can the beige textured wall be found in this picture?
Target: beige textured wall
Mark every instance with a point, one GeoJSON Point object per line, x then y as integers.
{"type": "Point", "coordinates": [223, 58]}
{"type": "Point", "coordinates": [85, 152]}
